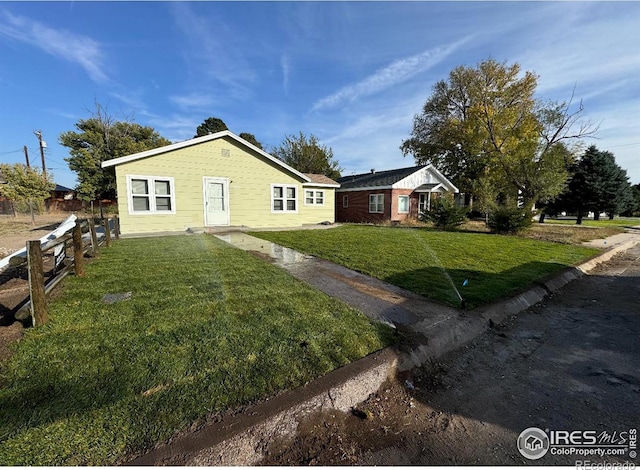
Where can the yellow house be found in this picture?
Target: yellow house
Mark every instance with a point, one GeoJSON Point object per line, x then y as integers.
{"type": "Point", "coordinates": [219, 180]}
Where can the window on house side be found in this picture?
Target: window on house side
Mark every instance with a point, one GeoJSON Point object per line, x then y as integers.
{"type": "Point", "coordinates": [403, 204]}
{"type": "Point", "coordinates": [284, 198]}
{"type": "Point", "coordinates": [345, 201]}
{"type": "Point", "coordinates": [314, 198]}
{"type": "Point", "coordinates": [151, 195]}
{"type": "Point", "coordinates": [376, 203]}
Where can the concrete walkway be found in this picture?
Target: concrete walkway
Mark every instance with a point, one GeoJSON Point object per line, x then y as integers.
{"type": "Point", "coordinates": [435, 329]}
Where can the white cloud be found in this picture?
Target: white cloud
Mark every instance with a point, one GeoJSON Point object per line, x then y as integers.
{"type": "Point", "coordinates": [285, 64]}
{"type": "Point", "coordinates": [193, 100]}
{"type": "Point", "coordinates": [66, 45]}
{"type": "Point", "coordinates": [384, 78]}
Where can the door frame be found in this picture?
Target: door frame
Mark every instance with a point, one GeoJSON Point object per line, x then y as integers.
{"type": "Point", "coordinates": [225, 189]}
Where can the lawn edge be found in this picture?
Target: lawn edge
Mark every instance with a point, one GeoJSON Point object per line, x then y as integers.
{"type": "Point", "coordinates": [240, 439]}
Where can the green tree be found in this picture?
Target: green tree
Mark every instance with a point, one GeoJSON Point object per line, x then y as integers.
{"type": "Point", "coordinates": [102, 138]}
{"type": "Point", "coordinates": [26, 185]}
{"type": "Point", "coordinates": [308, 156]}
{"type": "Point", "coordinates": [251, 139]}
{"type": "Point", "coordinates": [485, 123]}
{"type": "Point", "coordinates": [211, 125]}
{"type": "Point", "coordinates": [597, 184]}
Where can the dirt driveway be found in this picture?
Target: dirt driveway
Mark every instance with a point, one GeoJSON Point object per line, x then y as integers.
{"type": "Point", "coordinates": [14, 288]}
{"type": "Point", "coordinates": [571, 363]}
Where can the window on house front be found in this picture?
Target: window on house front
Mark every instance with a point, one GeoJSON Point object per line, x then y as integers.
{"type": "Point", "coordinates": [345, 201]}
{"type": "Point", "coordinates": [313, 198]}
{"type": "Point", "coordinates": [376, 203]}
{"type": "Point", "coordinates": [151, 195]}
{"type": "Point", "coordinates": [284, 198]}
{"type": "Point", "coordinates": [403, 204]}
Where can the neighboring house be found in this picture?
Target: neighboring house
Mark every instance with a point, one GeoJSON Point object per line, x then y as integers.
{"type": "Point", "coordinates": [213, 181]}
{"type": "Point", "coordinates": [392, 195]}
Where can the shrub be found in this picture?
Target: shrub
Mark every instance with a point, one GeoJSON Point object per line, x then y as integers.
{"type": "Point", "coordinates": [510, 220]}
{"type": "Point", "coordinates": [445, 214]}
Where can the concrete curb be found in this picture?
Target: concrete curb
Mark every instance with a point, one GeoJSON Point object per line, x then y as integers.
{"type": "Point", "coordinates": [243, 439]}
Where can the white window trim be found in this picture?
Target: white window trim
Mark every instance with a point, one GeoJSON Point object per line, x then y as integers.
{"type": "Point", "coordinates": [284, 186]}
{"type": "Point", "coordinates": [314, 197]}
{"type": "Point", "coordinates": [152, 196]}
{"type": "Point", "coordinates": [345, 201]}
{"type": "Point", "coordinates": [376, 211]}
{"type": "Point", "coordinates": [408, 204]}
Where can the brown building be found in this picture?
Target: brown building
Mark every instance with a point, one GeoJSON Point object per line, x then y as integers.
{"type": "Point", "coordinates": [393, 195]}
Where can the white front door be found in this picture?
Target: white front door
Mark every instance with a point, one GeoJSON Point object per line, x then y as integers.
{"type": "Point", "coordinates": [216, 201]}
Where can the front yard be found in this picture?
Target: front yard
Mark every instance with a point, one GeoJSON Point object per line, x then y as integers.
{"type": "Point", "coordinates": [207, 328]}
{"type": "Point", "coordinates": [433, 263]}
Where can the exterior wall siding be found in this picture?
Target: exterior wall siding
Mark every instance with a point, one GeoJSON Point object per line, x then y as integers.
{"type": "Point", "coordinates": [250, 178]}
{"type": "Point", "coordinates": [358, 210]}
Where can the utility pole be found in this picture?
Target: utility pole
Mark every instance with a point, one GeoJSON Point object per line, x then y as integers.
{"type": "Point", "coordinates": [26, 155]}
{"type": "Point", "coordinates": [43, 144]}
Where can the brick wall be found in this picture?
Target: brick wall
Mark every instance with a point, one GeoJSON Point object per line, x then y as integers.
{"type": "Point", "coordinates": [358, 206]}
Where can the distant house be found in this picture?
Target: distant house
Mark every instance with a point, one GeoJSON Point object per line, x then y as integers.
{"type": "Point", "coordinates": [218, 180]}
{"type": "Point", "coordinates": [393, 195]}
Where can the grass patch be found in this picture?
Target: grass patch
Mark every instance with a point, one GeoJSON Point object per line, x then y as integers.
{"type": "Point", "coordinates": [423, 261]}
{"type": "Point", "coordinates": [208, 328]}
{"type": "Point", "coordinates": [616, 222]}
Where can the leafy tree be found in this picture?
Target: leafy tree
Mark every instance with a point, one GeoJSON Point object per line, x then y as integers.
{"type": "Point", "coordinates": [101, 138]}
{"type": "Point", "coordinates": [25, 185]}
{"type": "Point", "coordinates": [598, 184]}
{"type": "Point", "coordinates": [211, 125]}
{"type": "Point", "coordinates": [484, 123]}
{"type": "Point", "coordinates": [308, 156]}
{"type": "Point", "coordinates": [251, 139]}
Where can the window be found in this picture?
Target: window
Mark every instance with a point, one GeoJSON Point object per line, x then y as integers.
{"type": "Point", "coordinates": [151, 195]}
{"type": "Point", "coordinates": [284, 198]}
{"type": "Point", "coordinates": [376, 203]}
{"type": "Point", "coordinates": [403, 204]}
{"type": "Point", "coordinates": [313, 198]}
{"type": "Point", "coordinates": [423, 203]}
{"type": "Point", "coordinates": [345, 201]}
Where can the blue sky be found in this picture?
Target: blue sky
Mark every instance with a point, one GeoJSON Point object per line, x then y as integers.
{"type": "Point", "coordinates": [353, 74]}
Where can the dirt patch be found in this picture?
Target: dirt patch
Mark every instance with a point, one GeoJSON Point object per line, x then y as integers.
{"type": "Point", "coordinates": [14, 286]}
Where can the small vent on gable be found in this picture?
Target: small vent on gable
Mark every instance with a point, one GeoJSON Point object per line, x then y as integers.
{"type": "Point", "coordinates": [226, 153]}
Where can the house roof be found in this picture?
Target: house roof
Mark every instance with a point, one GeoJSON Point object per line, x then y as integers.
{"type": "Point", "coordinates": [321, 180]}
{"type": "Point", "coordinates": [63, 189]}
{"type": "Point", "coordinates": [199, 140]}
{"type": "Point", "coordinates": [378, 178]}
{"type": "Point", "coordinates": [392, 179]}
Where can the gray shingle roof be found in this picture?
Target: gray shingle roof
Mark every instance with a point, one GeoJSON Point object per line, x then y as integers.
{"type": "Point", "coordinates": [379, 178]}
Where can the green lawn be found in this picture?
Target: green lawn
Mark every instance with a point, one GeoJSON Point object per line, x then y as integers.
{"type": "Point", "coordinates": [430, 262]}
{"type": "Point", "coordinates": [208, 328]}
{"type": "Point", "coordinates": [605, 222]}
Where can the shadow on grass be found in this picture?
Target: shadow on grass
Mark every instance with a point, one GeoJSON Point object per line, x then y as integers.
{"type": "Point", "coordinates": [475, 287]}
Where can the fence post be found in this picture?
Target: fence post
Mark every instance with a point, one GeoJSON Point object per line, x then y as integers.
{"type": "Point", "coordinates": [78, 256]}
{"type": "Point", "coordinates": [116, 226]}
{"type": "Point", "coordinates": [36, 283]}
{"type": "Point", "coordinates": [94, 236]}
{"type": "Point", "coordinates": [107, 231]}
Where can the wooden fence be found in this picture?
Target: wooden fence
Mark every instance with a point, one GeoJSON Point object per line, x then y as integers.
{"type": "Point", "coordinates": [82, 239]}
